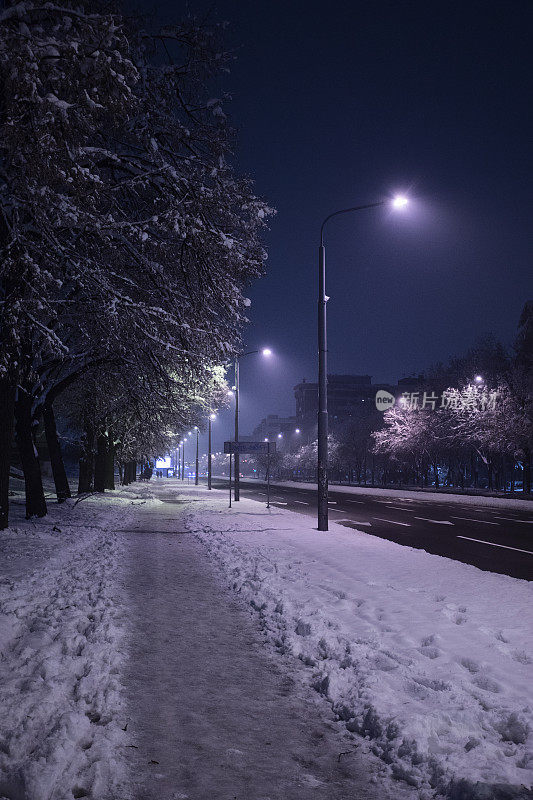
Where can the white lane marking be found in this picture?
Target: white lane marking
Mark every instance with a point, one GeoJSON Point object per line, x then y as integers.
{"type": "Point", "coordinates": [302, 502]}
{"type": "Point", "coordinates": [436, 521]}
{"type": "Point", "coordinates": [494, 544]}
{"type": "Point", "coordinates": [278, 503]}
{"type": "Point", "coordinates": [360, 502]}
{"type": "Point", "coordinates": [332, 502]}
{"type": "Point", "coordinates": [511, 519]}
{"type": "Point", "coordinates": [338, 510]}
{"type": "Point", "coordinates": [392, 522]}
{"type": "Point", "coordinates": [482, 521]}
{"type": "Point", "coordinates": [354, 522]}
{"type": "Point", "coordinates": [401, 508]}
{"type": "Point", "coordinates": [263, 493]}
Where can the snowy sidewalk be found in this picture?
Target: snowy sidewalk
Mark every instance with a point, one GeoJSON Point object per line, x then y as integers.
{"type": "Point", "coordinates": [427, 660]}
{"type": "Point", "coordinates": [212, 715]}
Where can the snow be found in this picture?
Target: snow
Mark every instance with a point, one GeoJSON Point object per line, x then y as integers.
{"type": "Point", "coordinates": [429, 659]}
{"type": "Point", "coordinates": [173, 648]}
{"type": "Point", "coordinates": [211, 712]}
{"type": "Point", "coordinates": [60, 655]}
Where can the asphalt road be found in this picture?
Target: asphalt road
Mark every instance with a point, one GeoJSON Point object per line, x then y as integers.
{"type": "Point", "coordinates": [493, 539]}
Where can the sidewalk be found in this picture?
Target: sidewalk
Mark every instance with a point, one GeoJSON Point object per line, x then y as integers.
{"type": "Point", "coordinates": [213, 715]}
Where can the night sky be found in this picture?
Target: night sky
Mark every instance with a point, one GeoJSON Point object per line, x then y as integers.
{"type": "Point", "coordinates": [345, 103]}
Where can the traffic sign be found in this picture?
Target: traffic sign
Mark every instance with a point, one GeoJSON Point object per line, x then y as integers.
{"type": "Point", "coordinates": [249, 447]}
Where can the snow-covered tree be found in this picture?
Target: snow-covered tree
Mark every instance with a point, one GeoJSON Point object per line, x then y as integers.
{"type": "Point", "coordinates": [125, 225]}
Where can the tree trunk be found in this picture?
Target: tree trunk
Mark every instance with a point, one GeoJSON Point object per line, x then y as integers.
{"type": "Point", "coordinates": [35, 502]}
{"type": "Point", "coordinates": [100, 463]}
{"type": "Point", "coordinates": [7, 410]}
{"type": "Point", "coordinates": [56, 458]}
{"type": "Point", "coordinates": [85, 480]}
{"type": "Point", "coordinates": [110, 464]}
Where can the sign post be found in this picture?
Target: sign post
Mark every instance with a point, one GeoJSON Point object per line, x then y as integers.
{"type": "Point", "coordinates": [250, 448]}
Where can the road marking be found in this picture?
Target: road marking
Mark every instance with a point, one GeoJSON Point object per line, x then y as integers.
{"type": "Point", "coordinates": [354, 522]}
{"type": "Point", "coordinates": [511, 519]}
{"type": "Point", "coordinates": [361, 502]}
{"type": "Point", "coordinates": [482, 521]}
{"type": "Point", "coordinates": [392, 522]}
{"type": "Point", "coordinates": [263, 493]}
{"type": "Point", "coordinates": [436, 521]}
{"type": "Point", "coordinates": [302, 502]}
{"type": "Point", "coordinates": [338, 510]}
{"type": "Point", "coordinates": [332, 502]}
{"type": "Point", "coordinates": [401, 508]}
{"type": "Point", "coordinates": [493, 544]}
{"type": "Point", "coordinates": [278, 502]}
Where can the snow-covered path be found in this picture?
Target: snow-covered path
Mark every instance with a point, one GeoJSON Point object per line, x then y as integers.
{"type": "Point", "coordinates": [211, 713]}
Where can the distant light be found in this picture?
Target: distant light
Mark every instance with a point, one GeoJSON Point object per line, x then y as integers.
{"type": "Point", "coordinates": [266, 440]}
{"type": "Point", "coordinates": [230, 393]}
{"type": "Point", "coordinates": [190, 433]}
{"type": "Point", "coordinates": [400, 201]}
{"type": "Point", "coordinates": [212, 416]}
{"type": "Point", "coordinates": [297, 430]}
{"type": "Point", "coordinates": [280, 435]}
{"type": "Point", "coordinates": [267, 351]}
{"type": "Point", "coordinates": [479, 379]}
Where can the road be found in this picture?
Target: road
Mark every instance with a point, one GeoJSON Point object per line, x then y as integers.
{"type": "Point", "coordinates": [494, 539]}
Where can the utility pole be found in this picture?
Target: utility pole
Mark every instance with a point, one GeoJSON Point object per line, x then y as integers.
{"type": "Point", "coordinates": [236, 455]}
{"type": "Point", "coordinates": [196, 475]}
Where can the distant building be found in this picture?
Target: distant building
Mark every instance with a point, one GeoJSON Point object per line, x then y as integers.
{"type": "Point", "coordinates": [348, 396]}
{"type": "Point", "coordinates": [270, 427]}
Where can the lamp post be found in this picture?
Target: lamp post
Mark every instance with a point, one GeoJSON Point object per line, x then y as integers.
{"type": "Point", "coordinates": [211, 418]}
{"type": "Point", "coordinates": [196, 465]}
{"type": "Point", "coordinates": [398, 202]}
{"type": "Point", "coordinates": [183, 459]}
{"type": "Point", "coordinates": [266, 352]}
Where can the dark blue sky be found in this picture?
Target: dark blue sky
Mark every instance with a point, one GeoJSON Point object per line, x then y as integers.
{"type": "Point", "coordinates": [343, 103]}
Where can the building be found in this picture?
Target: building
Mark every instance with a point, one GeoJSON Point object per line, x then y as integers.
{"type": "Point", "coordinates": [348, 396]}
{"type": "Point", "coordinates": [272, 426]}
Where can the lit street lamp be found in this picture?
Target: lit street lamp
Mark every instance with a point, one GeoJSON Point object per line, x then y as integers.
{"type": "Point", "coordinates": [265, 352]}
{"type": "Point", "coordinates": [399, 202]}
{"type": "Point", "coordinates": [196, 465]}
{"type": "Point", "coordinates": [211, 418]}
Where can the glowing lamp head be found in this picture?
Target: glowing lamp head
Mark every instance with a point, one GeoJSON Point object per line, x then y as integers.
{"type": "Point", "coordinates": [266, 351]}
{"type": "Point", "coordinates": [212, 416]}
{"type": "Point", "coordinates": [479, 379]}
{"type": "Point", "coordinates": [230, 393]}
{"type": "Point", "coordinates": [266, 440]}
{"type": "Point", "coordinates": [280, 435]}
{"type": "Point", "coordinates": [399, 202]}
{"type": "Point", "coordinates": [297, 430]}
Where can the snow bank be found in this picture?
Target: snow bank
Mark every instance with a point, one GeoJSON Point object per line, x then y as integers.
{"type": "Point", "coordinates": [60, 653]}
{"type": "Point", "coordinates": [427, 658]}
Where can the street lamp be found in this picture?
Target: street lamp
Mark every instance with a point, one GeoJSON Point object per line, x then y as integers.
{"type": "Point", "coordinates": [196, 465]}
{"type": "Point", "coordinates": [211, 418]}
{"type": "Point", "coordinates": [266, 352]}
{"type": "Point", "coordinates": [399, 202]}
